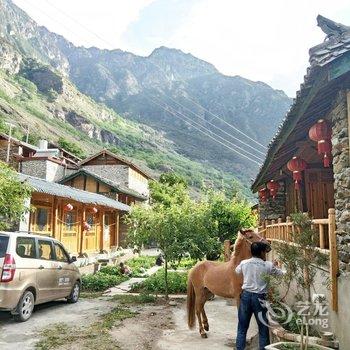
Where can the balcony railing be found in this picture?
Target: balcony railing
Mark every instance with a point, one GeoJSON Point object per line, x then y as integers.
{"type": "Point", "coordinates": [284, 231]}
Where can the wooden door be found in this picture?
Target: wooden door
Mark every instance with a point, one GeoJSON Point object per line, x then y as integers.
{"type": "Point", "coordinates": [319, 192]}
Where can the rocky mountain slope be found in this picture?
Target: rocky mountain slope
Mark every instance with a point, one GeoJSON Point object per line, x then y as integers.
{"type": "Point", "coordinates": [134, 86]}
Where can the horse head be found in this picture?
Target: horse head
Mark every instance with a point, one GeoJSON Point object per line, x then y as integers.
{"type": "Point", "coordinates": [245, 239]}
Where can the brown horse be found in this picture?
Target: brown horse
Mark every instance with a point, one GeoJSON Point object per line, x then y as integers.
{"type": "Point", "coordinates": [208, 278]}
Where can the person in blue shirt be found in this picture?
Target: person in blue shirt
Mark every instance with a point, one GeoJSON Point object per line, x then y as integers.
{"type": "Point", "coordinates": [254, 292]}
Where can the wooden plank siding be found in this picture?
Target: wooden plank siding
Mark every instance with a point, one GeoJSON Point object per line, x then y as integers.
{"type": "Point", "coordinates": [68, 226]}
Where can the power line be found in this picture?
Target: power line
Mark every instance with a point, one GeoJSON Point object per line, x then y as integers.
{"type": "Point", "coordinates": [207, 134]}
{"type": "Point", "coordinates": [161, 69]}
{"type": "Point", "coordinates": [206, 129]}
{"type": "Point", "coordinates": [224, 121]}
{"type": "Point", "coordinates": [213, 125]}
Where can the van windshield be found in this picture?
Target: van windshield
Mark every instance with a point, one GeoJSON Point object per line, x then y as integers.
{"type": "Point", "coordinates": [3, 245]}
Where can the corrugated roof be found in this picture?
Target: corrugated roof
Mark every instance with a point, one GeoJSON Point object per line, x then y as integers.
{"type": "Point", "coordinates": [55, 189]}
{"type": "Point", "coordinates": [118, 187]}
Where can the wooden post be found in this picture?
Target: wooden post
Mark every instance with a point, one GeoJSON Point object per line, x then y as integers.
{"type": "Point", "coordinates": [82, 230]}
{"type": "Point", "coordinates": [280, 229]}
{"type": "Point", "coordinates": [288, 220]}
{"type": "Point", "coordinates": [116, 230]}
{"type": "Point", "coordinates": [333, 256]}
{"type": "Point", "coordinates": [227, 250]}
{"type": "Point", "coordinates": [273, 229]}
{"type": "Point", "coordinates": [322, 237]}
{"type": "Point", "coordinates": [102, 228]}
{"type": "Point", "coordinates": [55, 214]}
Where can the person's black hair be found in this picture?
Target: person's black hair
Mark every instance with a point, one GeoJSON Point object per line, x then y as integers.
{"type": "Point", "coordinates": [257, 248]}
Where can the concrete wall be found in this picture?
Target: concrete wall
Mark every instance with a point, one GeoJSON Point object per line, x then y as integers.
{"type": "Point", "coordinates": [138, 182]}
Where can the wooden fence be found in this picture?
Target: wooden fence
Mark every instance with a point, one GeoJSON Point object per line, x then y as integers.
{"type": "Point", "coordinates": [283, 232]}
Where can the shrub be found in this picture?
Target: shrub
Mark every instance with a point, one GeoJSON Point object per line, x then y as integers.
{"type": "Point", "coordinates": [177, 283]}
{"type": "Point", "coordinates": [111, 270]}
{"type": "Point", "coordinates": [140, 264]}
{"type": "Point", "coordinates": [100, 282]}
{"type": "Point", "coordinates": [184, 264]}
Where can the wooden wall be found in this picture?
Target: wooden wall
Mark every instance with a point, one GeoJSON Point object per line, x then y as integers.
{"type": "Point", "coordinates": [67, 226]}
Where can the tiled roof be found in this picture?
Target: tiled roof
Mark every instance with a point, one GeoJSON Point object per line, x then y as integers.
{"type": "Point", "coordinates": [336, 45]}
{"type": "Point", "coordinates": [55, 189]}
{"type": "Point", "coordinates": [118, 187]}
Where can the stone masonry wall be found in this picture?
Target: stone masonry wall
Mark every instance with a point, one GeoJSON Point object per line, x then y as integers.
{"type": "Point", "coordinates": [341, 168]}
{"type": "Point", "coordinates": [274, 209]}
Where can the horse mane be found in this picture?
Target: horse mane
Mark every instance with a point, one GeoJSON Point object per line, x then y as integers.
{"type": "Point", "coordinates": [238, 245]}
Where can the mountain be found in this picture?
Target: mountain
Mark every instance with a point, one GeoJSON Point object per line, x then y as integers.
{"type": "Point", "coordinates": [135, 87]}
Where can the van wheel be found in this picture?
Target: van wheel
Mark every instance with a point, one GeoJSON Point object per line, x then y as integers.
{"type": "Point", "coordinates": [25, 307]}
{"type": "Point", "coordinates": [75, 293]}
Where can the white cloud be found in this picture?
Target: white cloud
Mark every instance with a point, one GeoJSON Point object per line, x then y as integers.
{"type": "Point", "coordinates": [85, 22]}
{"type": "Point", "coordinates": [260, 40]}
{"type": "Point", "coordinates": [265, 40]}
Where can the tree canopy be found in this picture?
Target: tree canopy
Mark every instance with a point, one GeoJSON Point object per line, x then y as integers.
{"type": "Point", "coordinates": [181, 226]}
{"type": "Point", "coordinates": [13, 195]}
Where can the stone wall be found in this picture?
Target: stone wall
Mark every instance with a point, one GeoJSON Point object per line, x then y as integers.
{"type": "Point", "coordinates": [274, 209]}
{"type": "Point", "coordinates": [341, 168]}
{"type": "Point", "coordinates": [117, 173]}
{"type": "Point", "coordinates": [44, 169]}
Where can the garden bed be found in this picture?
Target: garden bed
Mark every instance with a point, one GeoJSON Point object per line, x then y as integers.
{"type": "Point", "coordinates": [293, 346]}
{"type": "Point", "coordinates": [155, 284]}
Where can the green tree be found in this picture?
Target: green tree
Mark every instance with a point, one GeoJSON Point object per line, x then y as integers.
{"type": "Point", "coordinates": [71, 147]}
{"type": "Point", "coordinates": [13, 195]}
{"type": "Point", "coordinates": [230, 215]}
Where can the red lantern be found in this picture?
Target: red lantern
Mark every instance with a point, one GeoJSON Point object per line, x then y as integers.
{"type": "Point", "coordinates": [297, 165]}
{"type": "Point", "coordinates": [263, 194]}
{"type": "Point", "coordinates": [94, 210]}
{"type": "Point", "coordinates": [321, 133]}
{"type": "Point", "coordinates": [68, 207]}
{"type": "Point", "coordinates": [273, 186]}
{"type": "Point", "coordinates": [87, 226]}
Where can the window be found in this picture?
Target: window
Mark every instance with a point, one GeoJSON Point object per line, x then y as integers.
{"type": "Point", "coordinates": [45, 250]}
{"type": "Point", "coordinates": [42, 219]}
{"type": "Point", "coordinates": [25, 247]}
{"type": "Point", "coordinates": [3, 245]}
{"type": "Point", "coordinates": [70, 223]}
{"type": "Point", "coordinates": [61, 255]}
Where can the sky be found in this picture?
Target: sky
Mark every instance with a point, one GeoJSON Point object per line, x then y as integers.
{"type": "Point", "coordinates": [265, 40]}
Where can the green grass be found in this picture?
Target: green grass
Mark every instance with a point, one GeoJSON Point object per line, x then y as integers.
{"type": "Point", "coordinates": [140, 264]}
{"type": "Point", "coordinates": [91, 337]}
{"type": "Point", "coordinates": [177, 283]}
{"type": "Point", "coordinates": [129, 299]}
{"type": "Point", "coordinates": [100, 282]}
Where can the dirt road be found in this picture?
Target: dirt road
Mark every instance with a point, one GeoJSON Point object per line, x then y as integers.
{"type": "Point", "coordinates": [155, 326]}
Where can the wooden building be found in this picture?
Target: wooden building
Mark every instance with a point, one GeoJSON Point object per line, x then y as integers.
{"type": "Point", "coordinates": [307, 167]}
{"type": "Point", "coordinates": [83, 221]}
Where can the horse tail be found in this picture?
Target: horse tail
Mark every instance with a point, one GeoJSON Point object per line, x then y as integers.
{"type": "Point", "coordinates": [191, 300]}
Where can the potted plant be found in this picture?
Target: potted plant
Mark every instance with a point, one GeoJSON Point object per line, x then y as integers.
{"type": "Point", "coordinates": [301, 259]}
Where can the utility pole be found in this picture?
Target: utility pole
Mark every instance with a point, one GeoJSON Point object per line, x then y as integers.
{"type": "Point", "coordinates": [9, 144]}
{"type": "Point", "coordinates": [27, 134]}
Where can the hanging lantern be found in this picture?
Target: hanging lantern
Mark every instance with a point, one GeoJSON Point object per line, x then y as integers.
{"type": "Point", "coordinates": [297, 166]}
{"type": "Point", "coordinates": [87, 226]}
{"type": "Point", "coordinates": [94, 210]}
{"type": "Point", "coordinates": [68, 207]}
{"type": "Point", "coordinates": [321, 133]}
{"type": "Point", "coordinates": [273, 186]}
{"type": "Point", "coordinates": [263, 194]}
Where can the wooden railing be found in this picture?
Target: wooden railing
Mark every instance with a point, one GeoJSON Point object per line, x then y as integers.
{"type": "Point", "coordinates": [284, 231]}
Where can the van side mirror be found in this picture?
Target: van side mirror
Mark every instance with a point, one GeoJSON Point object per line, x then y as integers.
{"type": "Point", "coordinates": [73, 259]}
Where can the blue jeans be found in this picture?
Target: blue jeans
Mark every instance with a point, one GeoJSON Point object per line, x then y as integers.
{"type": "Point", "coordinates": [248, 306]}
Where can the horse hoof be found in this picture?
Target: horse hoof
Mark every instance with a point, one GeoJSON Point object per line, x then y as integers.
{"type": "Point", "coordinates": [206, 327]}
{"type": "Point", "coordinates": [204, 335]}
